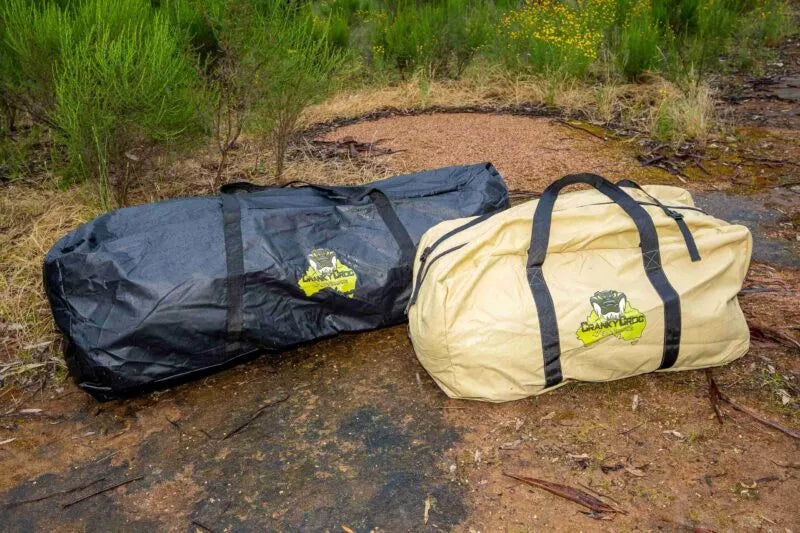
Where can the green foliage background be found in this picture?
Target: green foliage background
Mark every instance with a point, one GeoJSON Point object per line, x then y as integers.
{"type": "Point", "coordinates": [117, 81]}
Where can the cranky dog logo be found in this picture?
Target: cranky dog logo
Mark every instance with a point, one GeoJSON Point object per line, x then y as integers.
{"type": "Point", "coordinates": [612, 314]}
{"type": "Point", "coordinates": [326, 271]}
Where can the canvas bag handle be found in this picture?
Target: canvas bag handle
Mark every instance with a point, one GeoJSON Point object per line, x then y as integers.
{"type": "Point", "coordinates": [651, 258]}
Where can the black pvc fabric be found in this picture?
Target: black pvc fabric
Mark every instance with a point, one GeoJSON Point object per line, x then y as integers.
{"type": "Point", "coordinates": [152, 295]}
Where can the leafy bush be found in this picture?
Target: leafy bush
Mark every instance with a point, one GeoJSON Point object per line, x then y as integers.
{"type": "Point", "coordinates": [195, 19]}
{"type": "Point", "coordinates": [296, 69]}
{"type": "Point", "coordinates": [638, 41]}
{"type": "Point", "coordinates": [31, 38]}
{"type": "Point", "coordinates": [439, 37]}
{"type": "Point", "coordinates": [125, 87]}
{"type": "Point", "coordinates": [770, 21]}
{"type": "Point", "coordinates": [275, 59]}
{"type": "Point", "coordinates": [548, 36]}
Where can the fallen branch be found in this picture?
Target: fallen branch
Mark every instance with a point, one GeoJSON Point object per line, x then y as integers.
{"type": "Point", "coordinates": [523, 194]}
{"type": "Point", "coordinates": [599, 494]}
{"type": "Point", "coordinates": [611, 468]}
{"type": "Point", "coordinates": [202, 526]}
{"type": "Point", "coordinates": [32, 413]}
{"type": "Point", "coordinates": [786, 465]}
{"type": "Point", "coordinates": [689, 527]}
{"type": "Point", "coordinates": [58, 493]}
{"type": "Point", "coordinates": [768, 161]}
{"type": "Point", "coordinates": [569, 493]}
{"type": "Point", "coordinates": [254, 416]}
{"type": "Point", "coordinates": [758, 290]}
{"type": "Point", "coordinates": [579, 128]}
{"type": "Point", "coordinates": [350, 147]}
{"type": "Point", "coordinates": [717, 395]}
{"type": "Point", "coordinates": [767, 332]}
{"type": "Point", "coordinates": [101, 491]}
{"type": "Point", "coordinates": [625, 432]}
{"type": "Point", "coordinates": [783, 429]}
{"type": "Point", "coordinates": [713, 395]}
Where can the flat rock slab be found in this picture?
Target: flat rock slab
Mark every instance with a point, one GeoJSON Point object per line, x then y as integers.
{"type": "Point", "coordinates": [762, 213]}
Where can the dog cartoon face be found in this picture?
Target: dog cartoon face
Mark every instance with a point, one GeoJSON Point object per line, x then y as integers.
{"type": "Point", "coordinates": [609, 305]}
{"type": "Point", "coordinates": [323, 261]}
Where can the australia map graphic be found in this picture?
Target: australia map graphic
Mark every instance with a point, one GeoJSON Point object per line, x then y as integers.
{"type": "Point", "coordinates": [612, 314]}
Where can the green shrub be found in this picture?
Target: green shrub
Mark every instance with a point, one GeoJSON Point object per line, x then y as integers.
{"type": "Point", "coordinates": [31, 37]}
{"type": "Point", "coordinates": [439, 37]}
{"type": "Point", "coordinates": [296, 70]}
{"type": "Point", "coordinates": [769, 21]}
{"type": "Point", "coordinates": [195, 18]}
{"type": "Point", "coordinates": [275, 60]}
{"type": "Point", "coordinates": [699, 31]}
{"type": "Point", "coordinates": [232, 81]}
{"type": "Point", "coordinates": [124, 90]}
{"type": "Point", "coordinates": [637, 47]}
{"type": "Point", "coordinates": [338, 31]}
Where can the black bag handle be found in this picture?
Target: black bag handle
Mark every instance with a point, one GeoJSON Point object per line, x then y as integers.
{"type": "Point", "coordinates": [691, 246]}
{"type": "Point", "coordinates": [336, 193]}
{"type": "Point", "coordinates": [651, 258]}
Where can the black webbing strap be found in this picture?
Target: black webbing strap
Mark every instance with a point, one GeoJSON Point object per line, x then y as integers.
{"type": "Point", "coordinates": [677, 217]}
{"type": "Point", "coordinates": [395, 225]}
{"type": "Point", "coordinates": [243, 186]}
{"type": "Point", "coordinates": [474, 222]}
{"type": "Point", "coordinates": [234, 258]}
{"type": "Point", "coordinates": [651, 258]}
{"type": "Point", "coordinates": [423, 258]}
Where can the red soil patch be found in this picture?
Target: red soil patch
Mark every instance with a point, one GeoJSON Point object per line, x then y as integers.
{"type": "Point", "coordinates": [530, 152]}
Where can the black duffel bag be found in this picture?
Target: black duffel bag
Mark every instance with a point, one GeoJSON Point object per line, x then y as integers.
{"type": "Point", "coordinates": [151, 295]}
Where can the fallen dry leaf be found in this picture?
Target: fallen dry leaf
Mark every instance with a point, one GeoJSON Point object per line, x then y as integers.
{"type": "Point", "coordinates": [785, 397]}
{"type": "Point", "coordinates": [576, 495]}
{"type": "Point", "coordinates": [427, 509]}
{"type": "Point", "coordinates": [634, 471]}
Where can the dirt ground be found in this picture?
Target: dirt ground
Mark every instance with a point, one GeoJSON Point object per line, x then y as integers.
{"type": "Point", "coordinates": [351, 434]}
{"type": "Point", "coordinates": [529, 151]}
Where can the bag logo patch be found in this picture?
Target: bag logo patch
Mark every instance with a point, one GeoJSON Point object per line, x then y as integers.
{"type": "Point", "coordinates": [326, 271]}
{"type": "Point", "coordinates": [612, 314]}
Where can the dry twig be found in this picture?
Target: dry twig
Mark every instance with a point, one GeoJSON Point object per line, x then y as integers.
{"type": "Point", "coordinates": [57, 493]}
{"type": "Point", "coordinates": [254, 416]}
{"type": "Point", "coordinates": [101, 491]}
{"type": "Point", "coordinates": [716, 395]}
{"type": "Point", "coordinates": [580, 128]}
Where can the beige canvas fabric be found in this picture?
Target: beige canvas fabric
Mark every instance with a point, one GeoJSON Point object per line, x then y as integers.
{"type": "Point", "coordinates": [474, 324]}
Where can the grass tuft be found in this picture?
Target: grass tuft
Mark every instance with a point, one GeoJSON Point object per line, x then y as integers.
{"type": "Point", "coordinates": [32, 220]}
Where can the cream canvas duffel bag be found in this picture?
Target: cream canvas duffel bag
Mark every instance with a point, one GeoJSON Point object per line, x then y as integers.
{"type": "Point", "coordinates": [591, 285]}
